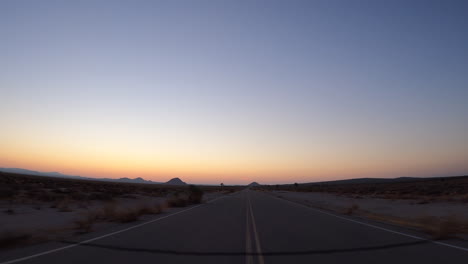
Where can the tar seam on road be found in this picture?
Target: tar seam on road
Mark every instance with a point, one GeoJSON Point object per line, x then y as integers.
{"type": "Point", "coordinates": [374, 226]}
{"type": "Point", "coordinates": [275, 253]}
{"type": "Point", "coordinates": [103, 236]}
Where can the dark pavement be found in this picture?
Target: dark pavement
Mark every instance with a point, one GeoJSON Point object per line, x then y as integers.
{"type": "Point", "coordinates": [268, 229]}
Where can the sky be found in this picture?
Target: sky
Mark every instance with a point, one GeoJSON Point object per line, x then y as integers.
{"type": "Point", "coordinates": [235, 91]}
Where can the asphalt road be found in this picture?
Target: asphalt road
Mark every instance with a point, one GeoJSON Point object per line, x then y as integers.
{"type": "Point", "coordinates": [248, 227]}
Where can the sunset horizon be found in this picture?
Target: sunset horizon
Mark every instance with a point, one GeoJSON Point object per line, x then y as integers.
{"type": "Point", "coordinates": [235, 92]}
{"type": "Point", "coordinates": [241, 179]}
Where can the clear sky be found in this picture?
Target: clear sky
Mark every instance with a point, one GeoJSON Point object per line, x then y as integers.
{"type": "Point", "coordinates": [235, 91]}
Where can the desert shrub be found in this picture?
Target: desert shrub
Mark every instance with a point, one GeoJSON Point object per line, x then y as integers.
{"type": "Point", "coordinates": [158, 208]}
{"type": "Point", "coordinates": [128, 196]}
{"type": "Point", "coordinates": [128, 215]}
{"type": "Point", "coordinates": [109, 211]}
{"type": "Point", "coordinates": [12, 238]}
{"type": "Point", "coordinates": [64, 206]}
{"type": "Point", "coordinates": [148, 209]}
{"type": "Point", "coordinates": [85, 224]}
{"type": "Point", "coordinates": [350, 210]}
{"type": "Point", "coordinates": [101, 196]}
{"type": "Point", "coordinates": [464, 198]}
{"type": "Point", "coordinates": [83, 204]}
{"type": "Point", "coordinates": [79, 196]}
{"type": "Point", "coordinates": [7, 192]}
{"type": "Point", "coordinates": [44, 196]}
{"type": "Point", "coordinates": [195, 194]}
{"type": "Point", "coordinates": [441, 228]}
{"type": "Point", "coordinates": [177, 201]}
{"type": "Point", "coordinates": [144, 209]}
{"type": "Point", "coordinates": [62, 190]}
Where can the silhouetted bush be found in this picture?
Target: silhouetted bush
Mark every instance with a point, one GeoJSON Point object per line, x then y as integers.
{"type": "Point", "coordinates": [100, 196]}
{"type": "Point", "coordinates": [442, 228]}
{"type": "Point", "coordinates": [350, 210]}
{"type": "Point", "coordinates": [195, 194]}
{"type": "Point", "coordinates": [64, 206]}
{"type": "Point", "coordinates": [129, 215]}
{"type": "Point", "coordinates": [177, 201]}
{"type": "Point", "coordinates": [85, 224]}
{"type": "Point", "coordinates": [6, 192]}
{"type": "Point", "coordinates": [11, 238]}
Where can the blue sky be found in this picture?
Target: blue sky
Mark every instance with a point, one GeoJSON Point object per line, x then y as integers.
{"type": "Point", "coordinates": [272, 90]}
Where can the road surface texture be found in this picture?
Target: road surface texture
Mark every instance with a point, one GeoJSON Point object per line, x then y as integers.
{"type": "Point", "coordinates": [248, 227]}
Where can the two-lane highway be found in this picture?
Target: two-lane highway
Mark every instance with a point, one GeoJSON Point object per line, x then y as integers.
{"type": "Point", "coordinates": [248, 227]}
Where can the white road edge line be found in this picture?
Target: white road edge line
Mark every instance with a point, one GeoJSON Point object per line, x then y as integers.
{"type": "Point", "coordinates": [257, 240]}
{"type": "Point", "coordinates": [106, 235]}
{"type": "Point", "coordinates": [374, 226]}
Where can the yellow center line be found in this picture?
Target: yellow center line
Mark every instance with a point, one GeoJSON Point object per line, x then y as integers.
{"type": "Point", "coordinates": [257, 239]}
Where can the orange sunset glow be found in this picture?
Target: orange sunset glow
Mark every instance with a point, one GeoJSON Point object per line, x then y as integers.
{"type": "Point", "coordinates": [217, 101]}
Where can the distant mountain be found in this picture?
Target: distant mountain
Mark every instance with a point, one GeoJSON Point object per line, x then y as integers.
{"type": "Point", "coordinates": [366, 180]}
{"type": "Point", "coordinates": [60, 175]}
{"type": "Point", "coordinates": [38, 173]}
{"type": "Point", "coordinates": [136, 180]}
{"type": "Point", "coordinates": [254, 184]}
{"type": "Point", "coordinates": [176, 181]}
{"type": "Point", "coordinates": [17, 170]}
